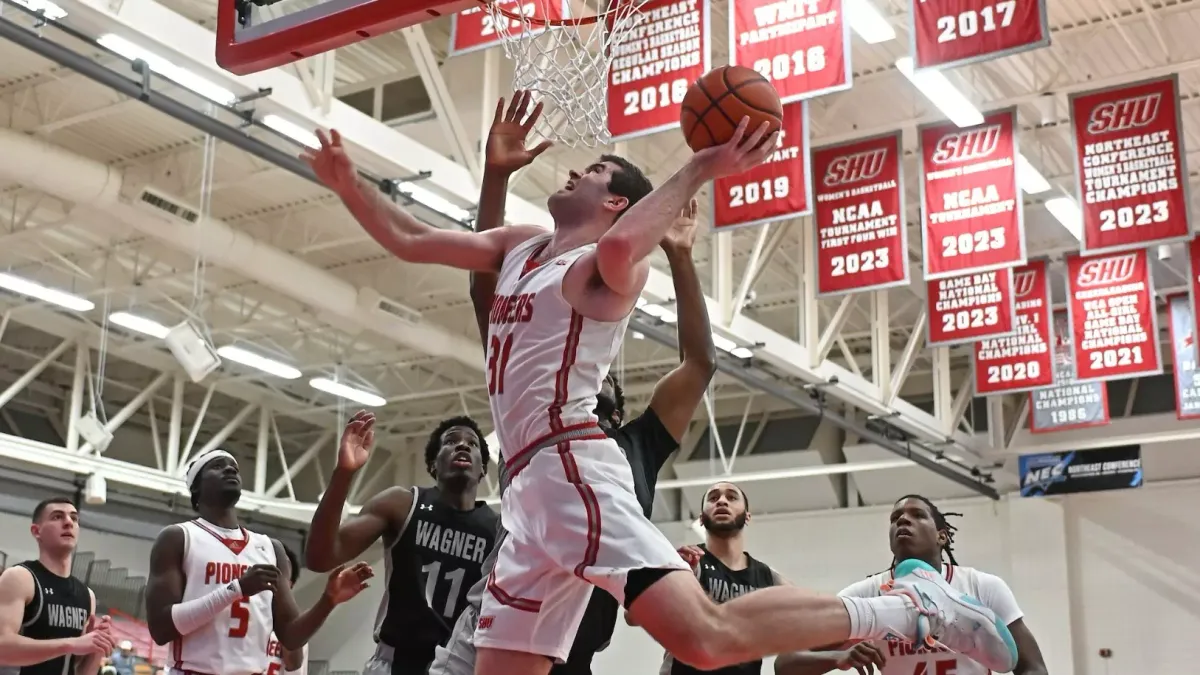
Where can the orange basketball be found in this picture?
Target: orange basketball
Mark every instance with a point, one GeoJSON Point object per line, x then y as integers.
{"type": "Point", "coordinates": [717, 102]}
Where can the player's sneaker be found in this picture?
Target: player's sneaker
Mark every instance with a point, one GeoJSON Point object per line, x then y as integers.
{"type": "Point", "coordinates": [953, 619]}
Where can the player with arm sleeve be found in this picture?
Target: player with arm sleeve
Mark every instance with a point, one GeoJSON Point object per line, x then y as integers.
{"type": "Point", "coordinates": [920, 530]}
{"type": "Point", "coordinates": [562, 305]}
{"type": "Point", "coordinates": [648, 439]}
{"type": "Point", "coordinates": [215, 590]}
{"type": "Point", "coordinates": [48, 622]}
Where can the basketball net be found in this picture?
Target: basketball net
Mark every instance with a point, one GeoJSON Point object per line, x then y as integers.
{"type": "Point", "coordinates": [562, 52]}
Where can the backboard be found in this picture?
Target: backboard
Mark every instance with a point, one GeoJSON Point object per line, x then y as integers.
{"type": "Point", "coordinates": [252, 38]}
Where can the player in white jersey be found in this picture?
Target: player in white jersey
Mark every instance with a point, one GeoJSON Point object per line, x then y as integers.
{"type": "Point", "coordinates": [920, 530]}
{"type": "Point", "coordinates": [214, 590]}
{"type": "Point", "coordinates": [282, 660]}
{"type": "Point", "coordinates": [562, 302]}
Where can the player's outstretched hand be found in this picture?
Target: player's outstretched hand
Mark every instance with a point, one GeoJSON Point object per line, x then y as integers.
{"type": "Point", "coordinates": [505, 150]}
{"type": "Point", "coordinates": [863, 657]}
{"type": "Point", "coordinates": [259, 578]}
{"type": "Point", "coordinates": [682, 235]}
{"type": "Point", "coordinates": [743, 152]}
{"type": "Point", "coordinates": [331, 163]}
{"type": "Point", "coordinates": [93, 643]}
{"type": "Point", "coordinates": [357, 440]}
{"type": "Point", "coordinates": [691, 555]}
{"type": "Point", "coordinates": [346, 582]}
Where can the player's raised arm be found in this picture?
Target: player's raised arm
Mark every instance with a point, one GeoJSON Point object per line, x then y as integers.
{"type": "Point", "coordinates": [634, 236]}
{"type": "Point", "coordinates": [398, 231]}
{"type": "Point", "coordinates": [332, 542]}
{"type": "Point", "coordinates": [294, 628]}
{"type": "Point", "coordinates": [505, 153]}
{"type": "Point", "coordinates": [679, 392]}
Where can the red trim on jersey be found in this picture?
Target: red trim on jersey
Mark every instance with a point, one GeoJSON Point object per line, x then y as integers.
{"type": "Point", "coordinates": [551, 434]}
{"type": "Point", "coordinates": [531, 263]}
{"type": "Point", "coordinates": [522, 604]}
{"type": "Point", "coordinates": [570, 351]}
{"type": "Point", "coordinates": [591, 506]}
{"type": "Point", "coordinates": [599, 436]}
{"type": "Point", "coordinates": [235, 545]}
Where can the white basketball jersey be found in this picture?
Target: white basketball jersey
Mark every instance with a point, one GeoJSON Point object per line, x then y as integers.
{"type": "Point", "coordinates": [275, 654]}
{"type": "Point", "coordinates": [545, 362]}
{"type": "Point", "coordinates": [236, 642]}
{"type": "Point", "coordinates": [903, 658]}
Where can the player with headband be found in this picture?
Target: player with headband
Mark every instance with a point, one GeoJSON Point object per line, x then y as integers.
{"type": "Point", "coordinates": [216, 591]}
{"type": "Point", "coordinates": [919, 530]}
{"type": "Point", "coordinates": [563, 302]}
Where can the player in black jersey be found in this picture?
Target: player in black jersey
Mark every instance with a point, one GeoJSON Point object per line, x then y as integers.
{"type": "Point", "coordinates": [649, 439]}
{"type": "Point", "coordinates": [436, 539]}
{"type": "Point", "coordinates": [721, 563]}
{"type": "Point", "coordinates": [47, 617]}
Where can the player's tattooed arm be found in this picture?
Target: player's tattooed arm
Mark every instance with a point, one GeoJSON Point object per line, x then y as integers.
{"type": "Point", "coordinates": [1029, 653]}
{"type": "Point", "coordinates": [398, 231]}
{"type": "Point", "coordinates": [679, 392]}
{"type": "Point", "coordinates": [295, 628]}
{"type": "Point", "coordinates": [332, 542]}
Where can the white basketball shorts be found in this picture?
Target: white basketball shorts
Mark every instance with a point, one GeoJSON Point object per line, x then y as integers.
{"type": "Point", "coordinates": [574, 522]}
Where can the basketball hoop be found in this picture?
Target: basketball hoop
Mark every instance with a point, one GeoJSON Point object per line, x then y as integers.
{"type": "Point", "coordinates": [561, 51]}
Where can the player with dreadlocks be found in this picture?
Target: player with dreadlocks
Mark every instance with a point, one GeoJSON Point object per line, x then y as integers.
{"type": "Point", "coordinates": [919, 530]}
{"type": "Point", "coordinates": [435, 539]}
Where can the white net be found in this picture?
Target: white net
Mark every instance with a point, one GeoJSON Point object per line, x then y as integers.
{"type": "Point", "coordinates": [565, 64]}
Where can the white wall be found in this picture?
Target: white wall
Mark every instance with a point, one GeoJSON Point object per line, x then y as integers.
{"type": "Point", "coordinates": [1111, 570]}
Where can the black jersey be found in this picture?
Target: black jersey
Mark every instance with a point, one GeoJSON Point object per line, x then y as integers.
{"type": "Point", "coordinates": [60, 609]}
{"type": "Point", "coordinates": [430, 567]}
{"type": "Point", "coordinates": [722, 585]}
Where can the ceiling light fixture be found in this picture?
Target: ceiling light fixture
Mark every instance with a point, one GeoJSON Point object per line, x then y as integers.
{"type": "Point", "coordinates": [258, 362]}
{"type": "Point", "coordinates": [32, 289]}
{"type": "Point", "coordinates": [866, 20]}
{"type": "Point", "coordinates": [291, 130]}
{"type": "Point", "coordinates": [347, 392]}
{"type": "Point", "coordinates": [941, 93]}
{"type": "Point", "coordinates": [1067, 212]}
{"type": "Point", "coordinates": [180, 76]}
{"type": "Point", "coordinates": [139, 324]}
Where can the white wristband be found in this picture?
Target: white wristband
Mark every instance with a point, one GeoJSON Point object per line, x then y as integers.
{"type": "Point", "coordinates": [193, 614]}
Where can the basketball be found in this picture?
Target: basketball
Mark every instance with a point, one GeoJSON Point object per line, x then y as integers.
{"type": "Point", "coordinates": [717, 102]}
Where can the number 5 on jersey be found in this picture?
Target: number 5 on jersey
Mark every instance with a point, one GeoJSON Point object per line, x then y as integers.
{"type": "Point", "coordinates": [240, 614]}
{"type": "Point", "coordinates": [498, 352]}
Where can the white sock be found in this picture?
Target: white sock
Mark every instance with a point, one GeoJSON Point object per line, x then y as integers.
{"type": "Point", "coordinates": [873, 618]}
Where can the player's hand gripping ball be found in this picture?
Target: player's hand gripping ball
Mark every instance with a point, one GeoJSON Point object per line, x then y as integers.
{"type": "Point", "coordinates": [716, 103]}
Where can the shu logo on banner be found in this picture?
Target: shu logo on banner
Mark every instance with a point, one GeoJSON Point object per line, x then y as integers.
{"type": "Point", "coordinates": [965, 146]}
{"type": "Point", "coordinates": [856, 167]}
{"type": "Point", "coordinates": [1124, 114]}
{"type": "Point", "coordinates": [1107, 271]}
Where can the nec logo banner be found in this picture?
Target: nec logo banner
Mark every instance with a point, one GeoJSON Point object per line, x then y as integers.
{"type": "Point", "coordinates": [1060, 473]}
{"type": "Point", "coordinates": [1114, 323]}
{"type": "Point", "coordinates": [1023, 360]}
{"type": "Point", "coordinates": [1130, 166]}
{"type": "Point", "coordinates": [858, 215]}
{"type": "Point", "coordinates": [971, 204]}
{"type": "Point", "coordinates": [947, 34]}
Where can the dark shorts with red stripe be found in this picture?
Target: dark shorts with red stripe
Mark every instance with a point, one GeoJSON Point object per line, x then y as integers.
{"type": "Point", "coordinates": [574, 522]}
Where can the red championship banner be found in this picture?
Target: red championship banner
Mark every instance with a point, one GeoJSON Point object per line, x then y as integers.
{"type": "Point", "coordinates": [1025, 359]}
{"type": "Point", "coordinates": [654, 65]}
{"type": "Point", "coordinates": [1194, 268]}
{"type": "Point", "coordinates": [475, 28]}
{"type": "Point", "coordinates": [803, 48]}
{"type": "Point", "coordinates": [971, 307]}
{"type": "Point", "coordinates": [970, 202]}
{"type": "Point", "coordinates": [1130, 165]}
{"type": "Point", "coordinates": [774, 190]}
{"type": "Point", "coordinates": [858, 213]}
{"type": "Point", "coordinates": [1110, 302]}
{"type": "Point", "coordinates": [947, 33]}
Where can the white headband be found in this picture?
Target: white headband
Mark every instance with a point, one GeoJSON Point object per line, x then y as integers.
{"type": "Point", "coordinates": [197, 464]}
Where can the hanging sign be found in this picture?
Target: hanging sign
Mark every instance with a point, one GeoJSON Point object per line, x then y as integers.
{"type": "Point", "coordinates": [971, 205]}
{"type": "Point", "coordinates": [1068, 404]}
{"type": "Point", "coordinates": [802, 48]}
{"type": "Point", "coordinates": [947, 33]}
{"type": "Point", "coordinates": [1110, 299]}
{"type": "Point", "coordinates": [1025, 359]}
{"type": "Point", "coordinates": [475, 28]}
{"type": "Point", "coordinates": [1183, 346]}
{"type": "Point", "coordinates": [858, 215]}
{"type": "Point", "coordinates": [970, 307]}
{"type": "Point", "coordinates": [774, 190]}
{"type": "Point", "coordinates": [654, 65]}
{"type": "Point", "coordinates": [1064, 473]}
